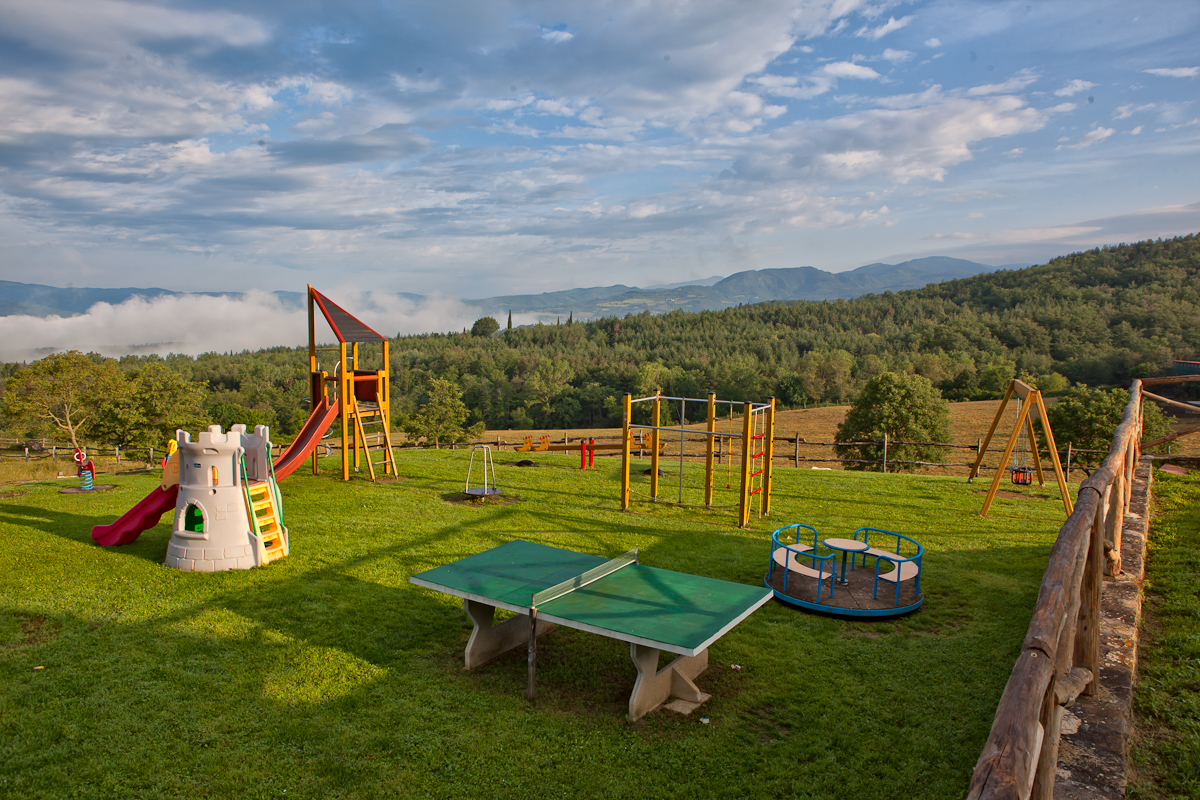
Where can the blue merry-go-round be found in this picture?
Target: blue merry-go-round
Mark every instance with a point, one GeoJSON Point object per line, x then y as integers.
{"type": "Point", "coordinates": [810, 572]}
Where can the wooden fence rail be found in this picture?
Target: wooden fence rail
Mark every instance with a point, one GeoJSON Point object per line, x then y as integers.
{"type": "Point", "coordinates": [1059, 658]}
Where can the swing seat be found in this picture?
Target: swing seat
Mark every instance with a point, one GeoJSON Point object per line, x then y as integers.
{"type": "Point", "coordinates": [1022, 476]}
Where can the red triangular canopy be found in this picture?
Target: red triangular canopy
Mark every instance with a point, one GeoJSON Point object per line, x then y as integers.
{"type": "Point", "coordinates": [346, 327]}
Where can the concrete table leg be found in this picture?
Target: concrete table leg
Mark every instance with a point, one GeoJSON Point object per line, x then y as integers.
{"type": "Point", "coordinates": [655, 685]}
{"type": "Point", "coordinates": [489, 641]}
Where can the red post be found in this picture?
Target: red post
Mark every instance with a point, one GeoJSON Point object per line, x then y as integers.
{"type": "Point", "coordinates": [583, 453]}
{"type": "Point", "coordinates": [591, 452]}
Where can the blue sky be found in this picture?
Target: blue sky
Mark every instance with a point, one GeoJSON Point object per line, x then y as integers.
{"type": "Point", "coordinates": [478, 148]}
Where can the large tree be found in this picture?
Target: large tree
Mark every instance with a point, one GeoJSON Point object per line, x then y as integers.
{"type": "Point", "coordinates": [158, 402]}
{"type": "Point", "coordinates": [66, 392]}
{"type": "Point", "coordinates": [442, 417]}
{"type": "Point", "coordinates": [905, 407]}
{"type": "Point", "coordinates": [1087, 419]}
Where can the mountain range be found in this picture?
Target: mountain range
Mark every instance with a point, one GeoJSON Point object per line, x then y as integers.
{"type": "Point", "coordinates": [750, 286]}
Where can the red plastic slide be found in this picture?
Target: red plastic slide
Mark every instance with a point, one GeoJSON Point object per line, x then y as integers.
{"type": "Point", "coordinates": [305, 442]}
{"type": "Point", "coordinates": [149, 510]}
{"type": "Point", "coordinates": [144, 515]}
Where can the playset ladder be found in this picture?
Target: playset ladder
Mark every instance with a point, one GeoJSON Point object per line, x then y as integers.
{"type": "Point", "coordinates": [266, 522]}
{"type": "Point", "coordinates": [383, 439]}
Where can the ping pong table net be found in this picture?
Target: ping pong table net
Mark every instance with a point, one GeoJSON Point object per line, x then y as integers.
{"type": "Point", "coordinates": [579, 581]}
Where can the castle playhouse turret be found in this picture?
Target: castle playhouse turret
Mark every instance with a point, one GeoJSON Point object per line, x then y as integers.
{"type": "Point", "coordinates": [229, 511]}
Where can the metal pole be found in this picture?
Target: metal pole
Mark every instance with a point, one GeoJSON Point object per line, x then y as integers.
{"type": "Point", "coordinates": [708, 448]}
{"type": "Point", "coordinates": [626, 442]}
{"type": "Point", "coordinates": [682, 422]}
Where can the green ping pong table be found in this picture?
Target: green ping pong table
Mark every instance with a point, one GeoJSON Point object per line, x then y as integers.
{"type": "Point", "coordinates": [652, 609]}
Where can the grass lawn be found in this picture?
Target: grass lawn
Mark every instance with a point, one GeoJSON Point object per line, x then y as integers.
{"type": "Point", "coordinates": [329, 675]}
{"type": "Point", "coordinates": [1166, 754]}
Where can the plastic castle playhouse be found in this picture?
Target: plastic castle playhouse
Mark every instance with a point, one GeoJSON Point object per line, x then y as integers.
{"type": "Point", "coordinates": [228, 513]}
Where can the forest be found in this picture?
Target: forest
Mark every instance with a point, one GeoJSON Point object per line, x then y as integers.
{"type": "Point", "coordinates": [1097, 318]}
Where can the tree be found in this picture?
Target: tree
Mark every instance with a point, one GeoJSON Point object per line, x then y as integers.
{"type": "Point", "coordinates": [485, 326]}
{"type": "Point", "coordinates": [1087, 419]}
{"type": "Point", "coordinates": [793, 391]}
{"type": "Point", "coordinates": [67, 392]}
{"type": "Point", "coordinates": [510, 320]}
{"type": "Point", "coordinates": [905, 407]}
{"type": "Point", "coordinates": [158, 402]}
{"type": "Point", "coordinates": [547, 381]}
{"type": "Point", "coordinates": [442, 416]}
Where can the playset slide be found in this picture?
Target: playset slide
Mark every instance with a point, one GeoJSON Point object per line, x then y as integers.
{"type": "Point", "coordinates": [143, 516]}
{"type": "Point", "coordinates": [149, 510]}
{"type": "Point", "coordinates": [306, 441]}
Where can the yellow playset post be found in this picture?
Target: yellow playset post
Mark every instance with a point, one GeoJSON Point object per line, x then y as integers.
{"type": "Point", "coordinates": [363, 395]}
{"type": "Point", "coordinates": [1031, 398]}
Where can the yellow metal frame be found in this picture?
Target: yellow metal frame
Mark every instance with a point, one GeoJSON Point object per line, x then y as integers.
{"type": "Point", "coordinates": [1031, 398]}
{"type": "Point", "coordinates": [757, 423]}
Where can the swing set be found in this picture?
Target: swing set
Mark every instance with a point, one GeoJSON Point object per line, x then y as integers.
{"type": "Point", "coordinates": [754, 462]}
{"type": "Point", "coordinates": [1023, 442]}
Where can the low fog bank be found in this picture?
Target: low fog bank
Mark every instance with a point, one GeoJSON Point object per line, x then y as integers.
{"type": "Point", "coordinates": [195, 324]}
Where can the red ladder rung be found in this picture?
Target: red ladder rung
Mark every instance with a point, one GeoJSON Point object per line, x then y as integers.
{"type": "Point", "coordinates": [757, 455]}
{"type": "Point", "coordinates": [756, 474]}
{"type": "Point", "coordinates": [755, 491]}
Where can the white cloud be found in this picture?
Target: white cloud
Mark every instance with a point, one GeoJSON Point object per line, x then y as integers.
{"type": "Point", "coordinates": [1136, 131]}
{"type": "Point", "coordinates": [1014, 84]}
{"type": "Point", "coordinates": [891, 25]}
{"type": "Point", "coordinates": [1126, 111]}
{"type": "Point", "coordinates": [817, 83]}
{"type": "Point", "coordinates": [194, 324]}
{"type": "Point", "coordinates": [1087, 140]}
{"type": "Point", "coordinates": [933, 42]}
{"type": "Point", "coordinates": [1074, 87]}
{"type": "Point", "coordinates": [557, 37]}
{"type": "Point", "coordinates": [897, 56]}
{"type": "Point", "coordinates": [1175, 72]}
{"type": "Point", "coordinates": [1016, 151]}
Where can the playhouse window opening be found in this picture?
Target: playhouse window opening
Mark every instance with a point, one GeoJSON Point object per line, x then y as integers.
{"type": "Point", "coordinates": [193, 519]}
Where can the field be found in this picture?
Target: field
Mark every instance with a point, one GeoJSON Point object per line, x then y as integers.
{"type": "Point", "coordinates": [329, 675]}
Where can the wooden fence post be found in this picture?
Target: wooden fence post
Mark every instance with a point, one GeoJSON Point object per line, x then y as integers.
{"type": "Point", "coordinates": [797, 455]}
{"type": "Point", "coordinates": [885, 452]}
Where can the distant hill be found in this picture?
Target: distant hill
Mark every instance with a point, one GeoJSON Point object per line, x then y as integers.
{"type": "Point", "coordinates": [37, 300]}
{"type": "Point", "coordinates": [751, 286]}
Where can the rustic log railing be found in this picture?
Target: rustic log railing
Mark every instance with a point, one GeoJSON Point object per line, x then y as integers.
{"type": "Point", "coordinates": [1059, 659]}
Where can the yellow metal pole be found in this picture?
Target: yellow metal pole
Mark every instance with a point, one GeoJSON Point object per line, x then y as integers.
{"type": "Point", "coordinates": [744, 494]}
{"type": "Point", "coordinates": [385, 409]}
{"type": "Point", "coordinates": [654, 417]}
{"type": "Point", "coordinates": [356, 431]}
{"type": "Point", "coordinates": [1037, 459]}
{"type": "Point", "coordinates": [626, 440]}
{"type": "Point", "coordinates": [345, 400]}
{"type": "Point", "coordinates": [316, 382]}
{"type": "Point", "coordinates": [768, 455]}
{"type": "Point", "coordinates": [708, 448]}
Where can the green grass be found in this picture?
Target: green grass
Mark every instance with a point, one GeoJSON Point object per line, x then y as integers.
{"type": "Point", "coordinates": [1167, 696]}
{"type": "Point", "coordinates": [329, 675]}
